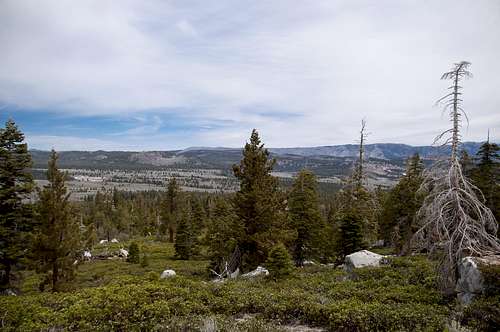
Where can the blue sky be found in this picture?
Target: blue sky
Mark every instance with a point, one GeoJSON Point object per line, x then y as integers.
{"type": "Point", "coordinates": [157, 75]}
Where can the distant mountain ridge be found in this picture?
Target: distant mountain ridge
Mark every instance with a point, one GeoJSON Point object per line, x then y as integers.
{"type": "Point", "coordinates": [388, 151]}
{"type": "Point", "coordinates": [223, 158]}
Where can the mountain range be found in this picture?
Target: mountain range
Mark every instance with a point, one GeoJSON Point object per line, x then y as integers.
{"type": "Point", "coordinates": [324, 160]}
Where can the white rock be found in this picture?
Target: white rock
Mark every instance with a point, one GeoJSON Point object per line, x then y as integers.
{"type": "Point", "coordinates": [470, 281]}
{"type": "Point", "coordinates": [308, 262]}
{"type": "Point", "coordinates": [10, 292]}
{"type": "Point", "coordinates": [123, 253]}
{"type": "Point", "coordinates": [167, 274]}
{"type": "Point", "coordinates": [259, 271]}
{"type": "Point", "coordinates": [103, 241]}
{"type": "Point", "coordinates": [87, 255]}
{"type": "Point", "coordinates": [114, 241]}
{"type": "Point", "coordinates": [362, 258]}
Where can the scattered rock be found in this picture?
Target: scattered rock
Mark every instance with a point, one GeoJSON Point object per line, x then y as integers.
{"type": "Point", "coordinates": [123, 253]}
{"type": "Point", "coordinates": [362, 258]}
{"type": "Point", "coordinates": [114, 241]}
{"type": "Point", "coordinates": [259, 271]}
{"type": "Point", "coordinates": [9, 292]}
{"type": "Point", "coordinates": [470, 281]}
{"type": "Point", "coordinates": [167, 274]}
{"type": "Point", "coordinates": [103, 241]}
{"type": "Point", "coordinates": [307, 262]}
{"type": "Point", "coordinates": [87, 255]}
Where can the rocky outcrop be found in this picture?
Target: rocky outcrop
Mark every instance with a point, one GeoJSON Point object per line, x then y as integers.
{"type": "Point", "coordinates": [362, 258]}
{"type": "Point", "coordinates": [470, 281]}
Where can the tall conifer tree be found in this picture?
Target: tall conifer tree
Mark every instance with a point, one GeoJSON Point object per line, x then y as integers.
{"type": "Point", "coordinates": [58, 234]}
{"type": "Point", "coordinates": [171, 208]}
{"type": "Point", "coordinates": [223, 233]}
{"type": "Point", "coordinates": [402, 205]}
{"type": "Point", "coordinates": [258, 203]}
{"type": "Point", "coordinates": [16, 183]}
{"type": "Point", "coordinates": [486, 176]}
{"type": "Point", "coordinates": [185, 238]}
{"type": "Point", "coordinates": [305, 217]}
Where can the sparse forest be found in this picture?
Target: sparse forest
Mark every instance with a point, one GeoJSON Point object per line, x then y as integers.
{"type": "Point", "coordinates": [267, 257]}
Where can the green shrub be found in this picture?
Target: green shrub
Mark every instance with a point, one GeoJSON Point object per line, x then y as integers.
{"type": "Point", "coordinates": [152, 276]}
{"type": "Point", "coordinates": [279, 262]}
{"type": "Point", "coordinates": [145, 261]}
{"type": "Point", "coordinates": [133, 253]}
{"type": "Point", "coordinates": [392, 298]}
{"type": "Point", "coordinates": [483, 314]}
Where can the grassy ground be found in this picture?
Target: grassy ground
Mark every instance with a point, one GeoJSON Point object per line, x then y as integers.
{"type": "Point", "coordinates": [117, 295]}
{"type": "Point", "coordinates": [103, 272]}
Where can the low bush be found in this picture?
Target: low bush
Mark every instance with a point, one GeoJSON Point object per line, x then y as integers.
{"type": "Point", "coordinates": [393, 300]}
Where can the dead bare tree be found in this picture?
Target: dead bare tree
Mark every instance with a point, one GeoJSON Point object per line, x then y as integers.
{"type": "Point", "coordinates": [453, 218]}
{"type": "Point", "coordinates": [229, 268]}
{"type": "Point", "coordinates": [358, 175]}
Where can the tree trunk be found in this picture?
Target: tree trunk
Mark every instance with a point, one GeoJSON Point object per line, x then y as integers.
{"type": "Point", "coordinates": [55, 276]}
{"type": "Point", "coordinates": [170, 235]}
{"type": "Point", "coordinates": [5, 280]}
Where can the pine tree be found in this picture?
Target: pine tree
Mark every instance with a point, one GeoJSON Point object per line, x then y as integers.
{"type": "Point", "coordinates": [258, 203]}
{"type": "Point", "coordinates": [171, 208]}
{"type": "Point", "coordinates": [184, 239]}
{"type": "Point", "coordinates": [486, 176]}
{"type": "Point", "coordinates": [402, 205]}
{"type": "Point", "coordinates": [16, 183]}
{"type": "Point", "coordinates": [198, 216]}
{"type": "Point", "coordinates": [279, 262]}
{"type": "Point", "coordinates": [134, 253]}
{"type": "Point", "coordinates": [89, 236]}
{"type": "Point", "coordinates": [305, 217]}
{"type": "Point", "coordinates": [350, 236]}
{"type": "Point", "coordinates": [223, 233]}
{"type": "Point", "coordinates": [103, 217]}
{"type": "Point", "coordinates": [466, 163]}
{"type": "Point", "coordinates": [145, 260]}
{"type": "Point", "coordinates": [355, 198]}
{"type": "Point", "coordinates": [58, 234]}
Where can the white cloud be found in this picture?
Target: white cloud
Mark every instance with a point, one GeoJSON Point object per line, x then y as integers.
{"type": "Point", "coordinates": [333, 62]}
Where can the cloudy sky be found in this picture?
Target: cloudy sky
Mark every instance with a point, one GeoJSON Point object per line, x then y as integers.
{"type": "Point", "coordinates": [157, 75]}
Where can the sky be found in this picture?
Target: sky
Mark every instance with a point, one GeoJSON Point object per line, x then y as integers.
{"type": "Point", "coordinates": [162, 75]}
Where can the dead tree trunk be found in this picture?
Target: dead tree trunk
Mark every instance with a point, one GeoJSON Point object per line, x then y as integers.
{"type": "Point", "coordinates": [359, 170]}
{"type": "Point", "coordinates": [454, 221]}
